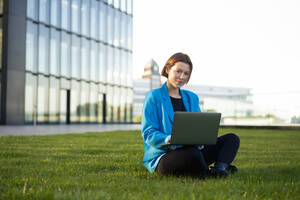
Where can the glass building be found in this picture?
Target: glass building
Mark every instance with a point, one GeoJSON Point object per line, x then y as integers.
{"type": "Point", "coordinates": [66, 61]}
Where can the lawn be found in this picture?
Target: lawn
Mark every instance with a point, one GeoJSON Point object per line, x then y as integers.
{"type": "Point", "coordinates": [109, 166]}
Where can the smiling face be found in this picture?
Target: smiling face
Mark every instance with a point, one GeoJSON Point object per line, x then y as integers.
{"type": "Point", "coordinates": [178, 75]}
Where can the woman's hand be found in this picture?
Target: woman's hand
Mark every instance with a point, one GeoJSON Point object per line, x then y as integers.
{"type": "Point", "coordinates": [168, 139]}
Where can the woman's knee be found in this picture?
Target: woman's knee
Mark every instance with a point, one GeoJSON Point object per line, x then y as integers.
{"type": "Point", "coordinates": [233, 138]}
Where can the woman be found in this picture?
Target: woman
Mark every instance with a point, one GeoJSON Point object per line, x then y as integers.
{"type": "Point", "coordinates": [158, 112]}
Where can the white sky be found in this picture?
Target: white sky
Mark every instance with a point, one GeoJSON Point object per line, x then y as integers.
{"type": "Point", "coordinates": [236, 43]}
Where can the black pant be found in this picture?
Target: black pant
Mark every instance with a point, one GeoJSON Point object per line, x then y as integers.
{"type": "Point", "coordinates": [188, 160]}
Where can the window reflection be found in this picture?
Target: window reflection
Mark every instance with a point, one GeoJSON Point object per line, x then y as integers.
{"type": "Point", "coordinates": [110, 66]}
{"type": "Point", "coordinates": [32, 7]}
{"type": "Point", "coordinates": [31, 47]}
{"type": "Point", "coordinates": [129, 6]}
{"type": "Point", "coordinates": [75, 99]}
{"type": "Point", "coordinates": [102, 21]}
{"type": "Point", "coordinates": [110, 25]}
{"type": "Point", "coordinates": [117, 3]}
{"type": "Point", "coordinates": [30, 98]}
{"type": "Point", "coordinates": [54, 51]}
{"type": "Point", "coordinates": [116, 105]}
{"type": "Point", "coordinates": [94, 19]}
{"type": "Point", "coordinates": [75, 61]}
{"type": "Point", "coordinates": [93, 103]}
{"type": "Point", "coordinates": [117, 28]}
{"type": "Point", "coordinates": [44, 11]}
{"type": "Point", "coordinates": [65, 14]}
{"type": "Point", "coordinates": [129, 69]}
{"type": "Point", "coordinates": [94, 61]}
{"type": "Point", "coordinates": [75, 16]}
{"type": "Point", "coordinates": [123, 5]}
{"type": "Point", "coordinates": [123, 67]}
{"type": "Point", "coordinates": [85, 60]}
{"type": "Point", "coordinates": [84, 102]}
{"type": "Point", "coordinates": [54, 100]}
{"type": "Point", "coordinates": [85, 18]}
{"type": "Point", "coordinates": [102, 62]}
{"type": "Point", "coordinates": [123, 31]}
{"type": "Point", "coordinates": [110, 2]}
{"type": "Point", "coordinates": [54, 13]}
{"type": "Point", "coordinates": [116, 69]}
{"type": "Point", "coordinates": [42, 104]}
{"type": "Point", "coordinates": [65, 54]}
{"type": "Point", "coordinates": [109, 104]}
{"type": "Point", "coordinates": [129, 102]}
{"type": "Point", "coordinates": [43, 55]}
{"type": "Point", "coordinates": [122, 104]}
{"type": "Point", "coordinates": [130, 32]}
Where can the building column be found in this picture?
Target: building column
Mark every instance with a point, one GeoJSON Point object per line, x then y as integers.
{"type": "Point", "coordinates": [13, 63]}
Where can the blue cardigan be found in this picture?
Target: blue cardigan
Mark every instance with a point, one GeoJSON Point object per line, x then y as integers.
{"type": "Point", "coordinates": [157, 120]}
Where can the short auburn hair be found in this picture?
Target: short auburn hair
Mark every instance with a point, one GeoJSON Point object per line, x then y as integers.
{"type": "Point", "coordinates": [177, 57]}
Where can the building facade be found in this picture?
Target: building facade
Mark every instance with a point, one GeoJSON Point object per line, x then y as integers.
{"type": "Point", "coordinates": [150, 80]}
{"type": "Point", "coordinates": [66, 61]}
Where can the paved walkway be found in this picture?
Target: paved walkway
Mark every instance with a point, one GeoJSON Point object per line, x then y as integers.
{"type": "Point", "coordinates": [61, 129]}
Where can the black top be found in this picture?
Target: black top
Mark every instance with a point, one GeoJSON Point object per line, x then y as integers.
{"type": "Point", "coordinates": [177, 104]}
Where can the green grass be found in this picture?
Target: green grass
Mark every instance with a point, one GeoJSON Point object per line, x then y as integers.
{"type": "Point", "coordinates": [109, 166]}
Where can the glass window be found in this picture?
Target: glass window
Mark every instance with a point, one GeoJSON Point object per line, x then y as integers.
{"type": "Point", "coordinates": [123, 31]}
{"type": "Point", "coordinates": [117, 3]}
{"type": "Point", "coordinates": [65, 14]}
{"type": "Point", "coordinates": [100, 108]}
{"type": "Point", "coordinates": [75, 16]}
{"type": "Point", "coordinates": [110, 2]}
{"type": "Point", "coordinates": [31, 46]}
{"type": "Point", "coordinates": [116, 106]}
{"type": "Point", "coordinates": [109, 104]}
{"type": "Point", "coordinates": [129, 33]}
{"type": "Point", "coordinates": [129, 6]}
{"type": "Point", "coordinates": [102, 22]}
{"type": "Point", "coordinates": [129, 69]}
{"type": "Point", "coordinates": [84, 102]}
{"type": "Point", "coordinates": [32, 9]}
{"type": "Point", "coordinates": [75, 61]}
{"type": "Point", "coordinates": [44, 11]}
{"type": "Point", "coordinates": [122, 104]}
{"type": "Point", "coordinates": [75, 101]}
{"type": "Point", "coordinates": [123, 5]}
{"type": "Point", "coordinates": [110, 64]}
{"type": "Point", "coordinates": [85, 59]}
{"type": "Point", "coordinates": [117, 27]}
{"type": "Point", "coordinates": [94, 19]}
{"type": "Point", "coordinates": [94, 61]}
{"type": "Point", "coordinates": [63, 106]}
{"type": "Point", "coordinates": [93, 103]}
{"type": "Point", "coordinates": [42, 104]}
{"type": "Point", "coordinates": [54, 100]}
{"type": "Point", "coordinates": [85, 18]}
{"type": "Point", "coordinates": [55, 13]}
{"type": "Point", "coordinates": [110, 25]}
{"type": "Point", "coordinates": [65, 54]}
{"type": "Point", "coordinates": [116, 70]}
{"type": "Point", "coordinates": [30, 98]}
{"type": "Point", "coordinates": [123, 68]}
{"type": "Point", "coordinates": [102, 51]}
{"type": "Point", "coordinates": [129, 102]}
{"type": "Point", "coordinates": [43, 55]}
{"type": "Point", "coordinates": [54, 51]}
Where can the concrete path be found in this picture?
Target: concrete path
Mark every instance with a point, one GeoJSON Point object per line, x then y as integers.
{"type": "Point", "coordinates": [61, 129]}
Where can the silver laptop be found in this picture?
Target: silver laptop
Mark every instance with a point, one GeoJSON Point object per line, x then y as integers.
{"type": "Point", "coordinates": [191, 128]}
